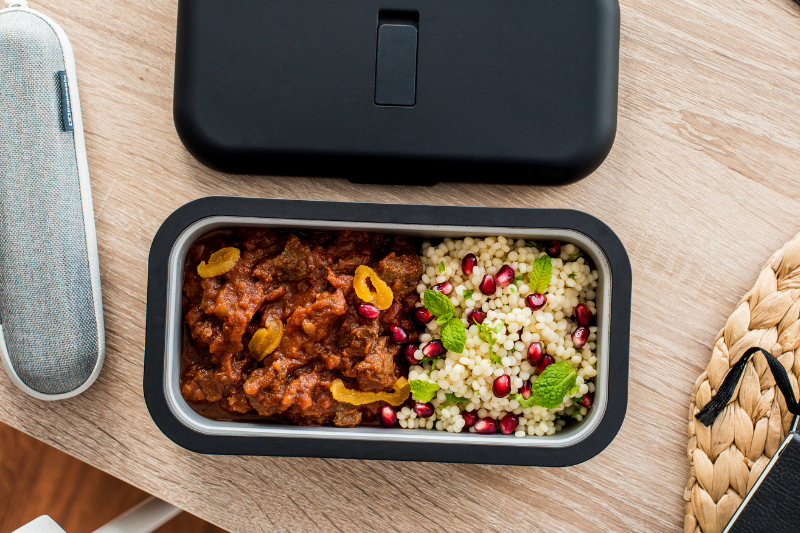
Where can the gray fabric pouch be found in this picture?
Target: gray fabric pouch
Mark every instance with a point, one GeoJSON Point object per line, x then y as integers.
{"type": "Point", "coordinates": [52, 340]}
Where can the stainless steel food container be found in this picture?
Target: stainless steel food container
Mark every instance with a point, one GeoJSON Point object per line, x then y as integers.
{"type": "Point", "coordinates": [577, 443]}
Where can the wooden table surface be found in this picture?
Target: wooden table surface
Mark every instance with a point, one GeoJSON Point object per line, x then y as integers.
{"type": "Point", "coordinates": [700, 186]}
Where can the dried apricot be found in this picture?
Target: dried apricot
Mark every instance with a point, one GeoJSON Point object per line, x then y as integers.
{"type": "Point", "coordinates": [382, 297]}
{"type": "Point", "coordinates": [355, 397]}
{"type": "Point", "coordinates": [220, 262]}
{"type": "Point", "coordinates": [266, 339]}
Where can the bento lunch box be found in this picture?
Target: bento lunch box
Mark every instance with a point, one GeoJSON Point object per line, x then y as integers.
{"type": "Point", "coordinates": [576, 443]}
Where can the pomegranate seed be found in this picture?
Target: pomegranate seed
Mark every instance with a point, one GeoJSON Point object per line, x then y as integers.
{"type": "Point", "coordinates": [587, 400]}
{"type": "Point", "coordinates": [434, 349]}
{"type": "Point", "coordinates": [398, 335]}
{"type": "Point", "coordinates": [535, 352]}
{"type": "Point", "coordinates": [508, 424]}
{"type": "Point", "coordinates": [583, 314]}
{"type": "Point", "coordinates": [445, 288]}
{"type": "Point", "coordinates": [580, 336]}
{"type": "Point", "coordinates": [553, 249]}
{"type": "Point", "coordinates": [525, 390]}
{"type": "Point", "coordinates": [423, 409]}
{"type": "Point", "coordinates": [485, 426]}
{"type": "Point", "coordinates": [476, 316]}
{"type": "Point", "coordinates": [501, 386]}
{"type": "Point", "coordinates": [422, 315]}
{"type": "Point", "coordinates": [488, 285]}
{"type": "Point", "coordinates": [368, 310]}
{"type": "Point", "coordinates": [469, 263]}
{"type": "Point", "coordinates": [536, 301]}
{"type": "Point", "coordinates": [470, 417]}
{"type": "Point", "coordinates": [408, 353]}
{"type": "Point", "coordinates": [388, 416]}
{"type": "Point", "coordinates": [546, 361]}
{"type": "Point", "coordinates": [504, 276]}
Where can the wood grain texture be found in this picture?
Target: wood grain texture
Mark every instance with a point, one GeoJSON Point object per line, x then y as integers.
{"type": "Point", "coordinates": [37, 479]}
{"type": "Point", "coordinates": [701, 186]}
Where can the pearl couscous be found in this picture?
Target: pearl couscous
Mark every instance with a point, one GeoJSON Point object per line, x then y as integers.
{"type": "Point", "coordinates": [501, 326]}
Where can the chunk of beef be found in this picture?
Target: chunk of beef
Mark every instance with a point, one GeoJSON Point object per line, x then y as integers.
{"type": "Point", "coordinates": [292, 263]}
{"type": "Point", "coordinates": [302, 395]}
{"type": "Point", "coordinates": [200, 384]}
{"type": "Point", "coordinates": [319, 319]}
{"type": "Point", "coordinates": [349, 250]}
{"type": "Point", "coordinates": [206, 383]}
{"type": "Point", "coordinates": [400, 272]}
{"type": "Point", "coordinates": [346, 416]}
{"type": "Point", "coordinates": [377, 371]}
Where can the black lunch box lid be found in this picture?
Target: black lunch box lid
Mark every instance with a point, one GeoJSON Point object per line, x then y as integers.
{"type": "Point", "coordinates": [381, 91]}
{"type": "Point", "coordinates": [493, 452]}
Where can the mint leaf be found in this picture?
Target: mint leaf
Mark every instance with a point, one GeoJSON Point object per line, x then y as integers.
{"type": "Point", "coordinates": [467, 294]}
{"type": "Point", "coordinates": [438, 304]}
{"type": "Point", "coordinates": [424, 391]}
{"type": "Point", "coordinates": [523, 402]}
{"type": "Point", "coordinates": [540, 274]}
{"type": "Point", "coordinates": [572, 390]}
{"type": "Point", "coordinates": [444, 318]}
{"type": "Point", "coordinates": [550, 387]}
{"type": "Point", "coordinates": [454, 335]}
{"type": "Point", "coordinates": [451, 398]}
{"type": "Point", "coordinates": [442, 268]}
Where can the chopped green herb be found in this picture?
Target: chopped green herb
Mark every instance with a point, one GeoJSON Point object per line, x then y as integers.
{"type": "Point", "coordinates": [521, 277]}
{"type": "Point", "coordinates": [485, 333]}
{"type": "Point", "coordinates": [451, 398]}
{"type": "Point", "coordinates": [523, 402]}
{"type": "Point", "coordinates": [431, 360]}
{"type": "Point", "coordinates": [423, 391]}
{"type": "Point", "coordinates": [438, 304]}
{"type": "Point", "coordinates": [550, 387]}
{"type": "Point", "coordinates": [442, 268]}
{"type": "Point", "coordinates": [540, 274]}
{"type": "Point", "coordinates": [573, 275]}
{"type": "Point", "coordinates": [454, 335]}
{"type": "Point", "coordinates": [573, 256]}
{"type": "Point", "coordinates": [467, 294]}
{"type": "Point", "coordinates": [530, 244]}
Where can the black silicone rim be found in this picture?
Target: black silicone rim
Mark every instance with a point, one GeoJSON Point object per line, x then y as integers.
{"type": "Point", "coordinates": [490, 453]}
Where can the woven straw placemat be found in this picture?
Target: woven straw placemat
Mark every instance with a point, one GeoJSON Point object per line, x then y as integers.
{"type": "Point", "coordinates": [727, 458]}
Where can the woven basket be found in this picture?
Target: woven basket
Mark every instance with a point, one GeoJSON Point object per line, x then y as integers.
{"type": "Point", "coordinates": [727, 458]}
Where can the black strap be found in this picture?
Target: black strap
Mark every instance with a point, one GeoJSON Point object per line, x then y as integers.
{"type": "Point", "coordinates": [713, 408]}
